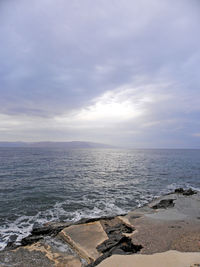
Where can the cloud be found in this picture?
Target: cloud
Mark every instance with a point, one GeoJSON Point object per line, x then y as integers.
{"type": "Point", "coordinates": [113, 68]}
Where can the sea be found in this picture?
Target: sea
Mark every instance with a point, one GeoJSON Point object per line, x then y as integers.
{"type": "Point", "coordinates": [39, 185]}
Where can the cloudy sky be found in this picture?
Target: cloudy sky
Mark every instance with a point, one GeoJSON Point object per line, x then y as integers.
{"type": "Point", "coordinates": [122, 72]}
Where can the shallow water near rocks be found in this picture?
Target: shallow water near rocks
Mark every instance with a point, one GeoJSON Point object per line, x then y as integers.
{"type": "Point", "coordinates": [40, 184]}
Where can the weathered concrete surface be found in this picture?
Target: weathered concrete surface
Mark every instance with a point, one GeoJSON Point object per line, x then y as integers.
{"type": "Point", "coordinates": [158, 236]}
{"type": "Point", "coordinates": [173, 228]}
{"type": "Point", "coordinates": [165, 259]}
{"type": "Point", "coordinates": [85, 238]}
{"type": "Point", "coordinates": [38, 254]}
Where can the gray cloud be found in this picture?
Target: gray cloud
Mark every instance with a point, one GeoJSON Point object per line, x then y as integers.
{"type": "Point", "coordinates": [57, 58]}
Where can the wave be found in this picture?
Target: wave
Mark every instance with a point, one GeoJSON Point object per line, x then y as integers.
{"type": "Point", "coordinates": [22, 226]}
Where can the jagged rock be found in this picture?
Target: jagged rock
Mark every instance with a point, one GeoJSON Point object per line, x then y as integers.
{"type": "Point", "coordinates": [118, 229]}
{"type": "Point", "coordinates": [98, 238]}
{"type": "Point", "coordinates": [11, 245]}
{"type": "Point", "coordinates": [89, 220]}
{"type": "Point", "coordinates": [189, 192]}
{"type": "Point", "coordinates": [185, 192]}
{"type": "Point", "coordinates": [164, 204]}
{"type": "Point", "coordinates": [31, 239]}
{"type": "Point", "coordinates": [109, 243]}
{"type": "Point", "coordinates": [119, 244]}
{"type": "Point", "coordinates": [50, 228]}
{"type": "Point", "coordinates": [179, 190]}
{"type": "Point", "coordinates": [95, 240]}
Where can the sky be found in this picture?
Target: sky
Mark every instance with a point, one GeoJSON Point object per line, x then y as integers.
{"type": "Point", "coordinates": [120, 72]}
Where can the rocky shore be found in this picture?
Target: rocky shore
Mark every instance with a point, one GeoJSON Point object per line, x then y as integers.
{"type": "Point", "coordinates": [166, 232]}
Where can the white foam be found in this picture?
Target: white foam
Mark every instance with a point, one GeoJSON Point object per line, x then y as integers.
{"type": "Point", "coordinates": [23, 225]}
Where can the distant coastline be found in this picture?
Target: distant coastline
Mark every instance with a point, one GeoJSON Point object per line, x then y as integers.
{"type": "Point", "coordinates": [71, 144]}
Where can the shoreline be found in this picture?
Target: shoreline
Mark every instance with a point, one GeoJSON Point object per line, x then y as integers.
{"type": "Point", "coordinates": [166, 226]}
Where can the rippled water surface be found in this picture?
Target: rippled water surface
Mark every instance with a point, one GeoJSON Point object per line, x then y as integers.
{"type": "Point", "coordinates": [40, 184]}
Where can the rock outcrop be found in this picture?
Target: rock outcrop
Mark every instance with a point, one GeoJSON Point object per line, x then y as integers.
{"type": "Point", "coordinates": [168, 223]}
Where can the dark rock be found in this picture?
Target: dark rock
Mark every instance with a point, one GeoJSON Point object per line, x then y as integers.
{"type": "Point", "coordinates": [11, 245]}
{"type": "Point", "coordinates": [189, 192]}
{"type": "Point", "coordinates": [117, 243]}
{"type": "Point", "coordinates": [31, 239]}
{"type": "Point", "coordinates": [53, 228]}
{"type": "Point", "coordinates": [45, 230]}
{"type": "Point", "coordinates": [164, 204]}
{"type": "Point", "coordinates": [99, 260]}
{"type": "Point", "coordinates": [175, 226]}
{"type": "Point", "coordinates": [88, 220]}
{"type": "Point", "coordinates": [185, 192]}
{"type": "Point", "coordinates": [125, 246]}
{"type": "Point", "coordinates": [179, 190]}
{"type": "Point", "coordinates": [50, 229]}
{"type": "Point", "coordinates": [135, 216]}
{"type": "Point", "coordinates": [118, 229]}
{"type": "Point", "coordinates": [109, 243]}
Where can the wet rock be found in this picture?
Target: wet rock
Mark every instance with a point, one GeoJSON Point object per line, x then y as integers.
{"type": "Point", "coordinates": [50, 228]}
{"type": "Point", "coordinates": [179, 190]}
{"type": "Point", "coordinates": [11, 245]}
{"type": "Point", "coordinates": [89, 220]}
{"type": "Point", "coordinates": [118, 229]}
{"type": "Point", "coordinates": [31, 239]}
{"type": "Point", "coordinates": [94, 240]}
{"type": "Point", "coordinates": [119, 245]}
{"type": "Point", "coordinates": [189, 192]}
{"type": "Point", "coordinates": [109, 243]}
{"type": "Point", "coordinates": [185, 192]}
{"type": "Point", "coordinates": [125, 247]}
{"type": "Point", "coordinates": [164, 204]}
{"type": "Point", "coordinates": [117, 241]}
{"type": "Point", "coordinates": [116, 244]}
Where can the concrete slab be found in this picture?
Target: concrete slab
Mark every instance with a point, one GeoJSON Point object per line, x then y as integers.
{"type": "Point", "coordinates": [171, 228]}
{"type": "Point", "coordinates": [158, 235]}
{"type": "Point", "coordinates": [186, 207]}
{"type": "Point", "coordinates": [165, 259]}
{"type": "Point", "coordinates": [84, 238]}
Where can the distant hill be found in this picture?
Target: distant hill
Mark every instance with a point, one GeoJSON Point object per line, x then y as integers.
{"type": "Point", "coordinates": [12, 144]}
{"type": "Point", "coordinates": [73, 144]}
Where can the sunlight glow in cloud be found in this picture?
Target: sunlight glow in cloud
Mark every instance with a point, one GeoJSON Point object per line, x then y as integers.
{"type": "Point", "coordinates": [123, 105]}
{"type": "Point", "coordinates": [111, 108]}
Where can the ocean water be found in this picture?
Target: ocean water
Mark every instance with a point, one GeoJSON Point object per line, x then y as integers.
{"type": "Point", "coordinates": [40, 184]}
